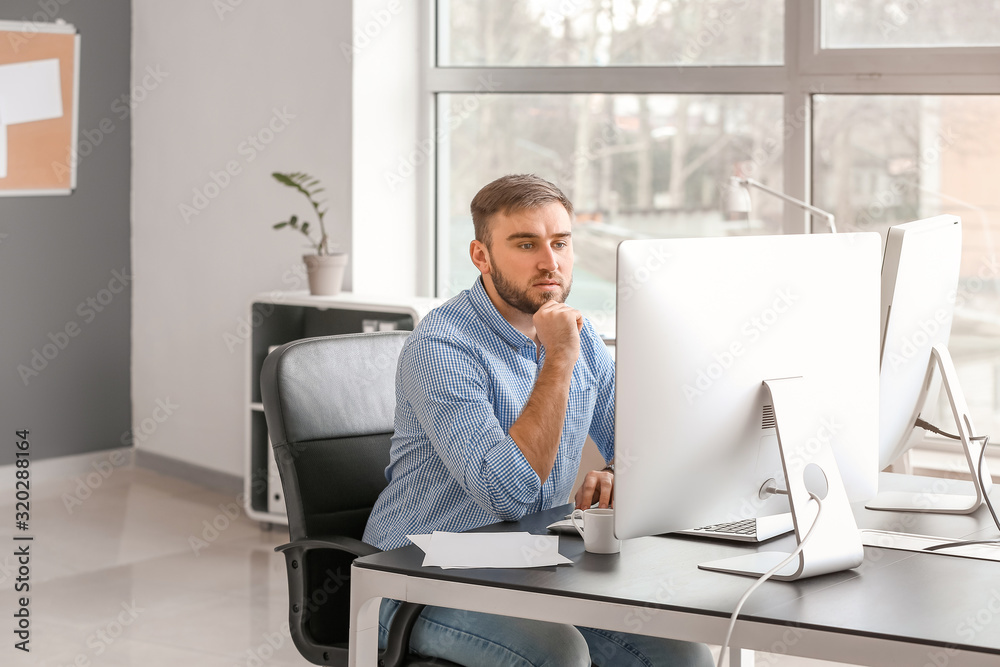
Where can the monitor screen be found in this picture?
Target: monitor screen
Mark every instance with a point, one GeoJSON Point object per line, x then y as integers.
{"type": "Point", "coordinates": [701, 323]}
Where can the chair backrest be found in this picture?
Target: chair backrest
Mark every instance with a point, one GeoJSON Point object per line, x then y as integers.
{"type": "Point", "coordinates": [329, 404]}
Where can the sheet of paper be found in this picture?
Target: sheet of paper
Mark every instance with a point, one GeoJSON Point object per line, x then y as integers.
{"type": "Point", "coordinates": [909, 542]}
{"type": "Point", "coordinates": [468, 550]}
{"type": "Point", "coordinates": [30, 91]}
{"type": "Point", "coordinates": [422, 541]}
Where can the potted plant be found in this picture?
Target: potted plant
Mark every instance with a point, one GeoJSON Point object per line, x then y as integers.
{"type": "Point", "coordinates": [325, 268]}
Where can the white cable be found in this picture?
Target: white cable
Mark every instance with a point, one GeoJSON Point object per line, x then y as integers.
{"type": "Point", "coordinates": [767, 575]}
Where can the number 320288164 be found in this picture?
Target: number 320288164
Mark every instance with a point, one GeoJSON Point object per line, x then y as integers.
{"type": "Point", "coordinates": [22, 475]}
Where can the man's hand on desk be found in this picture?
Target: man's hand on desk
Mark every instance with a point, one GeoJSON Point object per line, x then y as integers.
{"type": "Point", "coordinates": [596, 488]}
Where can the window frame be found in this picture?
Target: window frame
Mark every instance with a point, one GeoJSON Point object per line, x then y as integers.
{"type": "Point", "coordinates": [877, 62]}
{"type": "Point", "coordinates": [808, 69]}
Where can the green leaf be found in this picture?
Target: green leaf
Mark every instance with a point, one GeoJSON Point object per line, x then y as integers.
{"type": "Point", "coordinates": [309, 186]}
{"type": "Point", "coordinates": [280, 225]}
{"type": "Point", "coordinates": [291, 180]}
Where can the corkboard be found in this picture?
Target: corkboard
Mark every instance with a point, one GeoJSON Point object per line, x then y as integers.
{"type": "Point", "coordinates": [40, 159]}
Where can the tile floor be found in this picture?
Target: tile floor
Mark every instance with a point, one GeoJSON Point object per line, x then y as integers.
{"type": "Point", "coordinates": [131, 575]}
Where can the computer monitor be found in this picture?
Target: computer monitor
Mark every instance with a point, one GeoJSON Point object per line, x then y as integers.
{"type": "Point", "coordinates": [701, 323]}
{"type": "Point", "coordinates": [920, 273]}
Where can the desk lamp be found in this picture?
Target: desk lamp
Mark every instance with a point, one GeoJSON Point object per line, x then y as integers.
{"type": "Point", "coordinates": [736, 199]}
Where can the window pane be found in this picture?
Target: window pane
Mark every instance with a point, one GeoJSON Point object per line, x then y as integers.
{"type": "Point", "coordinates": [634, 166]}
{"type": "Point", "coordinates": [854, 24]}
{"type": "Point", "coordinates": [881, 160]}
{"type": "Point", "coordinates": [554, 33]}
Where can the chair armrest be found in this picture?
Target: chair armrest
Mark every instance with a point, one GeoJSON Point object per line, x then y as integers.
{"type": "Point", "coordinates": [336, 542]}
{"type": "Point", "coordinates": [305, 601]}
{"type": "Point", "coordinates": [398, 642]}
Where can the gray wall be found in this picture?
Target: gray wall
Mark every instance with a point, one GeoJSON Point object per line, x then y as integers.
{"type": "Point", "coordinates": [58, 252]}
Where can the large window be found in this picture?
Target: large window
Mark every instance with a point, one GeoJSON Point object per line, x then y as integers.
{"type": "Point", "coordinates": [879, 111]}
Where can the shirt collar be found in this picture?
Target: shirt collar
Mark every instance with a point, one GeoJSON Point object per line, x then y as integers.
{"type": "Point", "coordinates": [494, 320]}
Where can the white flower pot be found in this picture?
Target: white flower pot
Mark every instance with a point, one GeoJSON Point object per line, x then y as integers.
{"type": "Point", "coordinates": [326, 273]}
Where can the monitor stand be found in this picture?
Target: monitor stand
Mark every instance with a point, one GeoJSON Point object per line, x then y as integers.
{"type": "Point", "coordinates": [944, 503]}
{"type": "Point", "coordinates": [809, 467]}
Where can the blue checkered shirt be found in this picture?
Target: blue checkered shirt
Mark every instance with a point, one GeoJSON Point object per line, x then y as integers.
{"type": "Point", "coordinates": [464, 376]}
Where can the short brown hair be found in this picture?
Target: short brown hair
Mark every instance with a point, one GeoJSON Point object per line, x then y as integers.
{"type": "Point", "coordinates": [510, 194]}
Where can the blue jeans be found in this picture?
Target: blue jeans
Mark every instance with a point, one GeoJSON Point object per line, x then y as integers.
{"type": "Point", "coordinates": [487, 640]}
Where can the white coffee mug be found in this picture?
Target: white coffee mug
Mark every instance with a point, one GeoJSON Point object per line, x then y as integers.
{"type": "Point", "coordinates": [598, 530]}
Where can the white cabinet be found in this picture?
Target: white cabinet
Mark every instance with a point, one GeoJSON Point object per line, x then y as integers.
{"type": "Point", "coordinates": [279, 317]}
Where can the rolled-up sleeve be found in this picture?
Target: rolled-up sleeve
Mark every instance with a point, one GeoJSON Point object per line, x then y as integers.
{"type": "Point", "coordinates": [449, 392]}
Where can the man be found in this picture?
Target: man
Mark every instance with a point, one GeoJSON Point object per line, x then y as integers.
{"type": "Point", "coordinates": [496, 393]}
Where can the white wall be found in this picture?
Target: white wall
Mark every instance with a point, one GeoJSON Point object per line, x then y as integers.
{"type": "Point", "coordinates": [393, 149]}
{"type": "Point", "coordinates": [202, 243]}
{"type": "Point", "coordinates": [223, 77]}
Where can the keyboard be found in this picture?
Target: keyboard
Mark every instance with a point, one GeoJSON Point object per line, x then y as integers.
{"type": "Point", "coordinates": [760, 529]}
{"type": "Point", "coordinates": [746, 527]}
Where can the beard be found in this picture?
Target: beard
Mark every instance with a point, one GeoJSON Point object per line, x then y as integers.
{"type": "Point", "coordinates": [521, 298]}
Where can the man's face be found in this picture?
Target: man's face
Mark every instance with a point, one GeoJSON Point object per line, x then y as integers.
{"type": "Point", "coordinates": [530, 257]}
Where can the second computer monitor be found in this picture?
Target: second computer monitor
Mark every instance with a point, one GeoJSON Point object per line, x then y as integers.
{"type": "Point", "coordinates": [701, 324]}
{"type": "Point", "coordinates": [920, 273]}
{"type": "Point", "coordinates": [920, 277]}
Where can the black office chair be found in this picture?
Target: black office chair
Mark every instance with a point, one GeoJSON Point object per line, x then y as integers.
{"type": "Point", "coordinates": [329, 404]}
